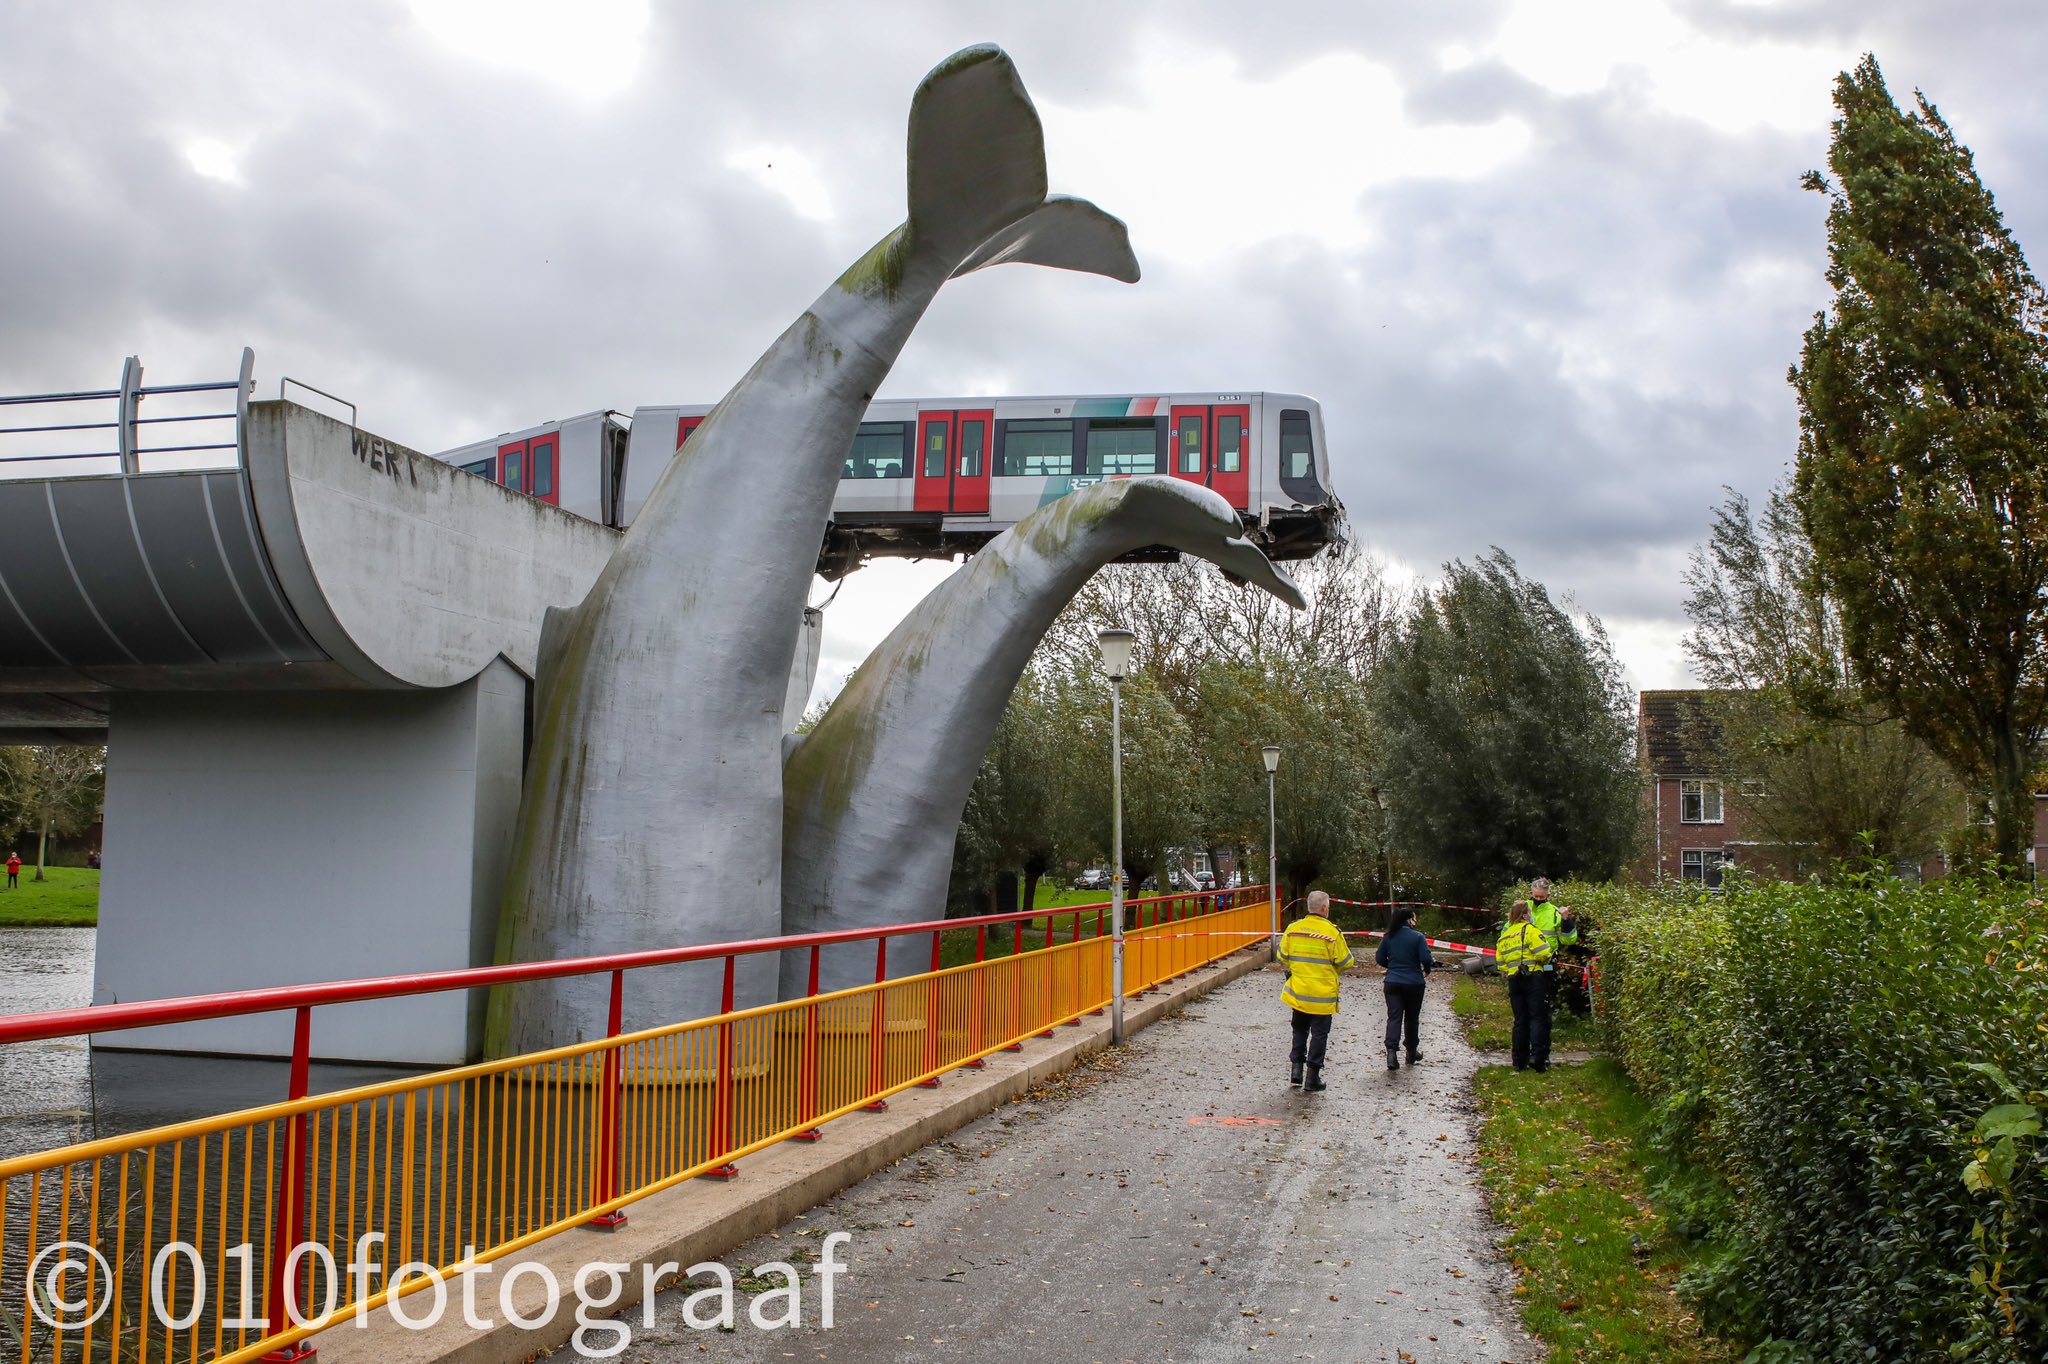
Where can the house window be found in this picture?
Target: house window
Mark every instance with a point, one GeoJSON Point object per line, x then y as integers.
{"type": "Point", "coordinates": [1703, 866]}
{"type": "Point", "coordinates": [1699, 802]}
{"type": "Point", "coordinates": [1752, 788]}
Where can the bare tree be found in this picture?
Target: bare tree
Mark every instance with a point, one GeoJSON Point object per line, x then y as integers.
{"type": "Point", "coordinates": [53, 790]}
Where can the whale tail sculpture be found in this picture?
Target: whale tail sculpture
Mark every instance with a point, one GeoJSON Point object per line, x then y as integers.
{"type": "Point", "coordinates": [873, 795]}
{"type": "Point", "coordinates": [653, 800]}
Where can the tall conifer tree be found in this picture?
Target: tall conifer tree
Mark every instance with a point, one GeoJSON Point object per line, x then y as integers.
{"type": "Point", "coordinates": [1922, 474]}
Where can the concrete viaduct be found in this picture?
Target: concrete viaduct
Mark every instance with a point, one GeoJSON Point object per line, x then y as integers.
{"type": "Point", "coordinates": [309, 651]}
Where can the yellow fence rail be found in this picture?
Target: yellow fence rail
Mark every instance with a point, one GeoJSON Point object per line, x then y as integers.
{"type": "Point", "coordinates": [160, 1246]}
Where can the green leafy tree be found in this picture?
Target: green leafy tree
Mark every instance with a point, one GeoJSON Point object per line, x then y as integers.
{"type": "Point", "coordinates": [1506, 735]}
{"type": "Point", "coordinates": [1922, 474]}
{"type": "Point", "coordinates": [1812, 765]}
{"type": "Point", "coordinates": [51, 791]}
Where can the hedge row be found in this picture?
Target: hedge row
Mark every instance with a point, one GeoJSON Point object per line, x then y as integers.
{"type": "Point", "coordinates": [1854, 1073]}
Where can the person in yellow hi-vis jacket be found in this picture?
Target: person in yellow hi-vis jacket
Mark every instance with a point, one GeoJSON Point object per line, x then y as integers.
{"type": "Point", "coordinates": [1525, 955]}
{"type": "Point", "coordinates": [1315, 951]}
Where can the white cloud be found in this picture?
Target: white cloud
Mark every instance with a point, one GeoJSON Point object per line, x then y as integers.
{"type": "Point", "coordinates": [214, 159]}
{"type": "Point", "coordinates": [1582, 46]}
{"type": "Point", "coordinates": [789, 173]}
{"type": "Point", "coordinates": [590, 48]}
{"type": "Point", "coordinates": [1205, 163]}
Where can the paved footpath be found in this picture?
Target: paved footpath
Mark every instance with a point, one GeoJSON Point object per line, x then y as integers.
{"type": "Point", "coordinates": [1173, 1201]}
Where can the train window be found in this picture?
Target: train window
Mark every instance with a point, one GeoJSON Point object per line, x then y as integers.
{"type": "Point", "coordinates": [1229, 444]}
{"type": "Point", "coordinates": [1038, 448]}
{"type": "Point", "coordinates": [1298, 458]}
{"type": "Point", "coordinates": [542, 473]}
{"type": "Point", "coordinates": [513, 461]}
{"type": "Point", "coordinates": [1191, 445]}
{"type": "Point", "coordinates": [935, 450]}
{"type": "Point", "coordinates": [1120, 446]}
{"type": "Point", "coordinates": [879, 451]}
{"type": "Point", "coordinates": [970, 449]}
{"type": "Point", "coordinates": [483, 468]}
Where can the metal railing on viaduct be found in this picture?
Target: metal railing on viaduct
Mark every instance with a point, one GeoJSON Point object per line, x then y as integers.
{"type": "Point", "coordinates": [233, 1237]}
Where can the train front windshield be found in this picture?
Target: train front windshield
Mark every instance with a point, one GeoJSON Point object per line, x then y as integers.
{"type": "Point", "coordinates": [1298, 459]}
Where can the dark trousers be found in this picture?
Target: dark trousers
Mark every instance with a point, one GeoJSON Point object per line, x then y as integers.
{"type": "Point", "coordinates": [1311, 1037]}
{"type": "Point", "coordinates": [12, 878]}
{"type": "Point", "coordinates": [1529, 996]}
{"type": "Point", "coordinates": [1404, 1015]}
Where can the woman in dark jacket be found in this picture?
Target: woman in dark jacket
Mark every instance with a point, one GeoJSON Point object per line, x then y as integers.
{"type": "Point", "coordinates": [1405, 954]}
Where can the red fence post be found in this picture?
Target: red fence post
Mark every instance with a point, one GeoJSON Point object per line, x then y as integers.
{"type": "Point", "coordinates": [976, 1024]}
{"type": "Point", "coordinates": [281, 1294]}
{"type": "Point", "coordinates": [1016, 983]}
{"type": "Point", "coordinates": [1074, 975]}
{"type": "Point", "coordinates": [931, 1020]}
{"type": "Point", "coordinates": [1050, 1012]}
{"type": "Point", "coordinates": [611, 1082]}
{"type": "Point", "coordinates": [878, 1027]}
{"type": "Point", "coordinates": [807, 1069]}
{"type": "Point", "coordinates": [723, 1108]}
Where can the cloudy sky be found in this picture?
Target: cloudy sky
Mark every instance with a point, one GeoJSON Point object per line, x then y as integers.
{"type": "Point", "coordinates": [1545, 262]}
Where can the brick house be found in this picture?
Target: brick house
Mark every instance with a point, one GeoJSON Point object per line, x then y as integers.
{"type": "Point", "coordinates": [1695, 830]}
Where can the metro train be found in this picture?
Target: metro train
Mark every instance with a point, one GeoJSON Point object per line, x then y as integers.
{"type": "Point", "coordinates": [935, 477]}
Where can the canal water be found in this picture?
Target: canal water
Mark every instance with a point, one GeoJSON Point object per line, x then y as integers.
{"type": "Point", "coordinates": [61, 1091]}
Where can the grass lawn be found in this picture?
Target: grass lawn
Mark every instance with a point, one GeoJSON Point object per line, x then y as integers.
{"type": "Point", "coordinates": [1559, 1156]}
{"type": "Point", "coordinates": [69, 899]}
{"type": "Point", "coordinates": [1481, 1005]}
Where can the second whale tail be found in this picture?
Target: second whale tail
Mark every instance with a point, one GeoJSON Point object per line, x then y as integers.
{"type": "Point", "coordinates": [977, 184]}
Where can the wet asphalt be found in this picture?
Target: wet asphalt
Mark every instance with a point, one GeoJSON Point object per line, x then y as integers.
{"type": "Point", "coordinates": [1173, 1200]}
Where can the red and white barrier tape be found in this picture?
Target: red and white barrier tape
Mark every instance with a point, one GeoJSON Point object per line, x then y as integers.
{"type": "Point", "coordinates": [1415, 904]}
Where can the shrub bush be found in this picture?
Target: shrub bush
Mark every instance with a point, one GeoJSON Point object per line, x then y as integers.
{"type": "Point", "coordinates": [1855, 1071]}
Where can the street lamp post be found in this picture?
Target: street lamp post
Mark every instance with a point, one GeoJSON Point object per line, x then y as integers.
{"type": "Point", "coordinates": [1116, 661]}
{"type": "Point", "coordinates": [1271, 753]}
{"type": "Point", "coordinates": [1386, 840]}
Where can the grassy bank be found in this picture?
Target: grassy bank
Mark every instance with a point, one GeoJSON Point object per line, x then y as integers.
{"type": "Point", "coordinates": [69, 899]}
{"type": "Point", "coordinates": [1481, 1005]}
{"type": "Point", "coordinates": [1563, 1158]}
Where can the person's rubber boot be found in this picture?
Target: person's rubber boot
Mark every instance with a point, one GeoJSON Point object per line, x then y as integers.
{"type": "Point", "coordinates": [1314, 1083]}
{"type": "Point", "coordinates": [1294, 1074]}
{"type": "Point", "coordinates": [1393, 1059]}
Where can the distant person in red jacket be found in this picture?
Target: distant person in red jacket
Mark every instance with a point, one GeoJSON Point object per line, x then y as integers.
{"type": "Point", "coordinates": [13, 870]}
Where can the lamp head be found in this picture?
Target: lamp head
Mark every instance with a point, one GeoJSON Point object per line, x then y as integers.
{"type": "Point", "coordinates": [1271, 753]}
{"type": "Point", "coordinates": [1116, 651]}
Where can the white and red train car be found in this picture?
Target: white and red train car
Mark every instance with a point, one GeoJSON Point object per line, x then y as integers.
{"type": "Point", "coordinates": [940, 476]}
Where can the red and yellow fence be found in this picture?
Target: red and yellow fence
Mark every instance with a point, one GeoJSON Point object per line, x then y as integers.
{"type": "Point", "coordinates": [175, 1244]}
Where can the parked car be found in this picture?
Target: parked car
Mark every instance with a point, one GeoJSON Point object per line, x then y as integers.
{"type": "Point", "coordinates": [1095, 878]}
{"type": "Point", "coordinates": [1205, 880]}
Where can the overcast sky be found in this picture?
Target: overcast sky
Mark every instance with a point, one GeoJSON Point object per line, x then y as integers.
{"type": "Point", "coordinates": [1545, 262]}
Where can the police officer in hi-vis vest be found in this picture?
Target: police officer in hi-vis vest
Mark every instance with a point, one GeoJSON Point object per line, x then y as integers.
{"type": "Point", "coordinates": [1556, 923]}
{"type": "Point", "coordinates": [1526, 960]}
{"type": "Point", "coordinates": [1315, 951]}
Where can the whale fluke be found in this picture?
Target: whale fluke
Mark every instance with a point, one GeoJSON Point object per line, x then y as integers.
{"type": "Point", "coordinates": [653, 799]}
{"type": "Point", "coordinates": [872, 797]}
{"type": "Point", "coordinates": [1065, 233]}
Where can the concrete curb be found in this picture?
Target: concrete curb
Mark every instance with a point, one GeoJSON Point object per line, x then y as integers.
{"type": "Point", "coordinates": [702, 1219]}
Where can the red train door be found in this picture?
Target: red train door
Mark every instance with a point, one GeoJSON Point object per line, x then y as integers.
{"type": "Point", "coordinates": [952, 462]}
{"type": "Point", "coordinates": [933, 488]}
{"type": "Point", "coordinates": [974, 434]}
{"type": "Point", "coordinates": [1231, 453]}
{"type": "Point", "coordinates": [1192, 441]}
{"type": "Point", "coordinates": [541, 469]}
{"type": "Point", "coordinates": [512, 465]}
